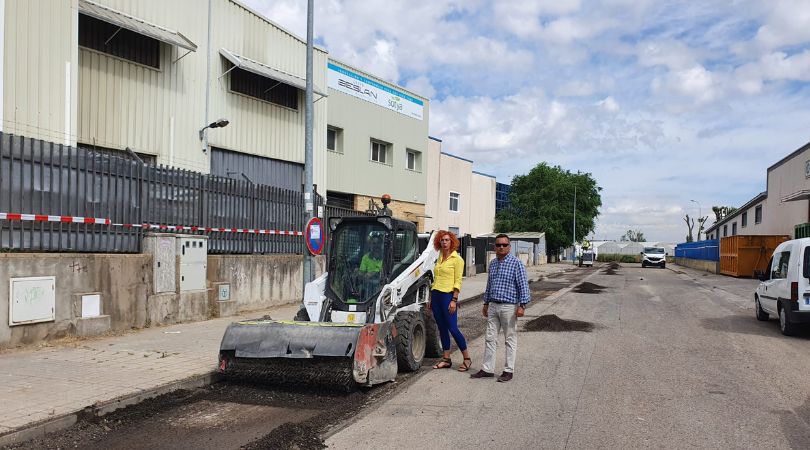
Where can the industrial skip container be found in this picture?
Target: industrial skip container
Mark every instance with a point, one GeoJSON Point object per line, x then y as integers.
{"type": "Point", "coordinates": [743, 256]}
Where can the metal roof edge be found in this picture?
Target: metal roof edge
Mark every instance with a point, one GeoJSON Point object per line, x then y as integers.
{"type": "Point", "coordinates": [434, 138]}
{"type": "Point", "coordinates": [458, 157]}
{"type": "Point", "coordinates": [483, 174]}
{"type": "Point", "coordinates": [791, 155]}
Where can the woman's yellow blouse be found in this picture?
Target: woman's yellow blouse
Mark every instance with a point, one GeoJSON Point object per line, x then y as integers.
{"type": "Point", "coordinates": [448, 273]}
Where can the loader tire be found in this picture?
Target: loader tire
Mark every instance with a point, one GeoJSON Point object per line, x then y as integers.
{"type": "Point", "coordinates": [410, 340]}
{"type": "Point", "coordinates": [433, 344]}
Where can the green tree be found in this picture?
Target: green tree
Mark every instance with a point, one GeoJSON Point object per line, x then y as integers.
{"type": "Point", "coordinates": [720, 212]}
{"type": "Point", "coordinates": [633, 236]}
{"type": "Point", "coordinates": [543, 200]}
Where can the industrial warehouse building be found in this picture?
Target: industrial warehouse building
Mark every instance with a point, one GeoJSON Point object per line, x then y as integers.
{"type": "Point", "coordinates": [376, 140]}
{"type": "Point", "coordinates": [780, 209]}
{"type": "Point", "coordinates": [145, 77]}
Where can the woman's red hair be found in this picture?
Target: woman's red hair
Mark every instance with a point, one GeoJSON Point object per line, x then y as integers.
{"type": "Point", "coordinates": [437, 244]}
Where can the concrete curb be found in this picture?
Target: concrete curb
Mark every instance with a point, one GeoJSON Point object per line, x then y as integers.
{"type": "Point", "coordinates": [40, 429]}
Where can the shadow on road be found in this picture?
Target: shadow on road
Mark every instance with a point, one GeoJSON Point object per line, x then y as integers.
{"type": "Point", "coordinates": [735, 323]}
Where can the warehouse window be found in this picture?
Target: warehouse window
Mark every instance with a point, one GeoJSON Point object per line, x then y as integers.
{"type": "Point", "coordinates": [264, 88]}
{"type": "Point", "coordinates": [414, 160]}
{"type": "Point", "coordinates": [734, 229]}
{"type": "Point", "coordinates": [454, 199]}
{"type": "Point", "coordinates": [725, 230]}
{"type": "Point", "coordinates": [116, 41]}
{"type": "Point", "coordinates": [379, 151]}
{"type": "Point", "coordinates": [758, 214]}
{"type": "Point", "coordinates": [744, 219]}
{"type": "Point", "coordinates": [334, 139]}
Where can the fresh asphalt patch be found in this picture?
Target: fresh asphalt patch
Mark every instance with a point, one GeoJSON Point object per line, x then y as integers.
{"type": "Point", "coordinates": [588, 288]}
{"type": "Point", "coordinates": [552, 323]}
{"type": "Point", "coordinates": [238, 415]}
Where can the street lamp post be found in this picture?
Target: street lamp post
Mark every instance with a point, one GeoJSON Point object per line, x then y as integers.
{"type": "Point", "coordinates": [700, 216]}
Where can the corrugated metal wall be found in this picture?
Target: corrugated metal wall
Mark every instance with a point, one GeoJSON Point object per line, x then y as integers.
{"type": "Point", "coordinates": [39, 53]}
{"type": "Point", "coordinates": [118, 104]}
{"type": "Point", "coordinates": [258, 170]}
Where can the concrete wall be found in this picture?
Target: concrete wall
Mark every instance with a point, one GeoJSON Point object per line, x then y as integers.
{"type": "Point", "coordinates": [699, 264]}
{"type": "Point", "coordinates": [261, 281]}
{"type": "Point", "coordinates": [125, 283]}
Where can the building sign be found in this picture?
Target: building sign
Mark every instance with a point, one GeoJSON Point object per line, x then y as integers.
{"type": "Point", "coordinates": [356, 85]}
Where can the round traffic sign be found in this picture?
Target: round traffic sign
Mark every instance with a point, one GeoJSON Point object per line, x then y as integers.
{"type": "Point", "coordinates": [315, 236]}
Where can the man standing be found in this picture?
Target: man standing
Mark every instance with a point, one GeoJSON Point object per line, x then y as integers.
{"type": "Point", "coordinates": [504, 301]}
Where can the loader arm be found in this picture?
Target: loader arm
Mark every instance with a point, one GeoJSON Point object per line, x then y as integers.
{"type": "Point", "coordinates": [405, 291]}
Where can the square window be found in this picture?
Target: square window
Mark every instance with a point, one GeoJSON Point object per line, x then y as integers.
{"type": "Point", "coordinates": [334, 139]}
{"type": "Point", "coordinates": [454, 199]}
{"type": "Point", "coordinates": [379, 151]}
{"type": "Point", "coordinates": [758, 214]}
{"type": "Point", "coordinates": [414, 160]}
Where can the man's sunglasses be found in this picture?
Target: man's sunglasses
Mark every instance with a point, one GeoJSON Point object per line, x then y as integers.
{"type": "Point", "coordinates": [501, 245]}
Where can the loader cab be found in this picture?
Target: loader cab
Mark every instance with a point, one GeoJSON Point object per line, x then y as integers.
{"type": "Point", "coordinates": [366, 254]}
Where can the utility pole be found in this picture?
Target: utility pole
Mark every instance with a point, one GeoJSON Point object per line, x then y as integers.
{"type": "Point", "coordinates": [574, 245]}
{"type": "Point", "coordinates": [309, 198]}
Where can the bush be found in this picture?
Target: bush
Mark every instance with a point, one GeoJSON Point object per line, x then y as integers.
{"type": "Point", "coordinates": [628, 259]}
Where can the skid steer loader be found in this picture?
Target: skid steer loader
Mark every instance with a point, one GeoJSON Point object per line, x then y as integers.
{"type": "Point", "coordinates": [360, 322]}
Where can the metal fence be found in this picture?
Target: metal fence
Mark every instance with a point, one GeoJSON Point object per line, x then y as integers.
{"type": "Point", "coordinates": [46, 179]}
{"type": "Point", "coordinates": [708, 250]}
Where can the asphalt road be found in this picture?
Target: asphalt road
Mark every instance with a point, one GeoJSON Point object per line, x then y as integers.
{"type": "Point", "coordinates": [673, 361]}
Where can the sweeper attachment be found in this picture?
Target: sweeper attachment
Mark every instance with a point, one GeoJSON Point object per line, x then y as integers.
{"type": "Point", "coordinates": [360, 322]}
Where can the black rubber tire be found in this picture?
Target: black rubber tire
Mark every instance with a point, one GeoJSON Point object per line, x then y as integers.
{"type": "Point", "coordinates": [410, 340]}
{"type": "Point", "coordinates": [787, 328]}
{"type": "Point", "coordinates": [643, 265]}
{"type": "Point", "coordinates": [663, 266]}
{"type": "Point", "coordinates": [302, 315]}
{"type": "Point", "coordinates": [762, 316]}
{"type": "Point", "coordinates": [433, 343]}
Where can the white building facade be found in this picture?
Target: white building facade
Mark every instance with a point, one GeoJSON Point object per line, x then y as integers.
{"type": "Point", "coordinates": [460, 199]}
{"type": "Point", "coordinates": [776, 211]}
{"type": "Point", "coordinates": [376, 143]}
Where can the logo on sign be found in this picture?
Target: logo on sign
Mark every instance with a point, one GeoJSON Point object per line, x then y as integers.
{"type": "Point", "coordinates": [356, 87]}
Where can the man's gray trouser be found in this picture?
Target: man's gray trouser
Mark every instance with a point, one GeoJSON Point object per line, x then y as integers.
{"type": "Point", "coordinates": [501, 316]}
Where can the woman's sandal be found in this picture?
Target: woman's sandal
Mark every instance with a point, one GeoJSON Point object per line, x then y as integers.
{"type": "Point", "coordinates": [444, 363]}
{"type": "Point", "coordinates": [465, 366]}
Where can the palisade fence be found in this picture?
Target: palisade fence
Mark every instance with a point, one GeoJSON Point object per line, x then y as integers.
{"type": "Point", "coordinates": [43, 178]}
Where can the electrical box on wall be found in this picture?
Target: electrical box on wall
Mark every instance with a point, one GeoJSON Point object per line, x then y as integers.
{"type": "Point", "coordinates": [192, 257]}
{"type": "Point", "coordinates": [31, 300]}
{"type": "Point", "coordinates": [162, 248]}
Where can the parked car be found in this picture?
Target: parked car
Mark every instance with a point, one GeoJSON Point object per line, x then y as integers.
{"type": "Point", "coordinates": [654, 256]}
{"type": "Point", "coordinates": [784, 289]}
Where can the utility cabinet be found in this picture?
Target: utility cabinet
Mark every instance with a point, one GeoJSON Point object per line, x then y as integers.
{"type": "Point", "coordinates": [192, 261]}
{"type": "Point", "coordinates": [162, 247]}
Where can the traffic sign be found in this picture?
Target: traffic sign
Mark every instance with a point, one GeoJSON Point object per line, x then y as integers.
{"type": "Point", "coordinates": [315, 236]}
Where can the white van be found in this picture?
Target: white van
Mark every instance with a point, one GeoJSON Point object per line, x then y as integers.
{"type": "Point", "coordinates": [784, 290]}
{"type": "Point", "coordinates": [654, 256]}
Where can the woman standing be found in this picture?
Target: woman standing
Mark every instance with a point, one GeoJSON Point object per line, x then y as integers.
{"type": "Point", "coordinates": [444, 298]}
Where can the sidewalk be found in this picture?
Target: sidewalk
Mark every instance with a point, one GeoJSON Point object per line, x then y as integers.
{"type": "Point", "coordinates": [46, 389]}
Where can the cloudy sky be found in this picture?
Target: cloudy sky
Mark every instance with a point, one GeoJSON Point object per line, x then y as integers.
{"type": "Point", "coordinates": [662, 101]}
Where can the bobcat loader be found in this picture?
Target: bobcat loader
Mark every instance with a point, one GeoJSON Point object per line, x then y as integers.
{"type": "Point", "coordinates": [360, 322]}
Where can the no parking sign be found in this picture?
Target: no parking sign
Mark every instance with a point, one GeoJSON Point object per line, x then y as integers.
{"type": "Point", "coordinates": [315, 236]}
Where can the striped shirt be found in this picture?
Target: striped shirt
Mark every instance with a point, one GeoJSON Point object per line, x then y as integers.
{"type": "Point", "coordinates": [507, 281]}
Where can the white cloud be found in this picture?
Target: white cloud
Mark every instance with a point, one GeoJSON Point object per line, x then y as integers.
{"type": "Point", "coordinates": [662, 100]}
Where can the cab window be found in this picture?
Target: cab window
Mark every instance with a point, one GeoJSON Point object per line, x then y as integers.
{"type": "Point", "coordinates": [405, 246]}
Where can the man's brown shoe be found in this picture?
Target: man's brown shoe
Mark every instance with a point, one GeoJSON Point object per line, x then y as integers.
{"type": "Point", "coordinates": [506, 376]}
{"type": "Point", "coordinates": [482, 374]}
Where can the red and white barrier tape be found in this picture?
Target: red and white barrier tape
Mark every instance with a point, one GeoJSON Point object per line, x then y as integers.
{"type": "Point", "coordinates": [150, 226]}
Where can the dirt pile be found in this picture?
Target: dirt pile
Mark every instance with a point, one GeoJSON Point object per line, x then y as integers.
{"type": "Point", "coordinates": [612, 268]}
{"type": "Point", "coordinates": [588, 288]}
{"type": "Point", "coordinates": [550, 322]}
